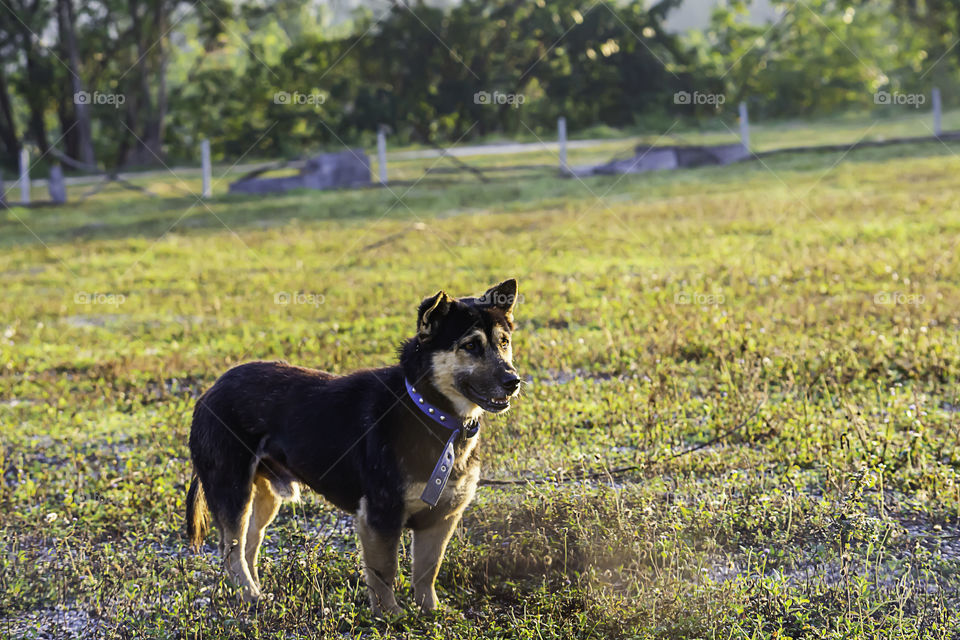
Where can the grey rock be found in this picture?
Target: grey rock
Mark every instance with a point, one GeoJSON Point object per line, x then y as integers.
{"type": "Point", "coordinates": [649, 158]}
{"type": "Point", "coordinates": [340, 170]}
{"type": "Point", "coordinates": [717, 154]}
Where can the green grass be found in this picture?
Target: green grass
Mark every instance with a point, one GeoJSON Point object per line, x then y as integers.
{"type": "Point", "coordinates": [773, 346]}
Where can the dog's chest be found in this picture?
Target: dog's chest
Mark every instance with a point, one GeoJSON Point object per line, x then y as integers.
{"type": "Point", "coordinates": [458, 491]}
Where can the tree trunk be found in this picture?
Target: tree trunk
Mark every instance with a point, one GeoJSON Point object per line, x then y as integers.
{"type": "Point", "coordinates": [160, 115]}
{"type": "Point", "coordinates": [81, 108]}
{"type": "Point", "coordinates": [34, 99]}
{"type": "Point", "coordinates": [144, 115]}
{"type": "Point", "coordinates": [8, 128]}
{"type": "Point", "coordinates": [37, 77]}
{"type": "Point", "coordinates": [68, 121]}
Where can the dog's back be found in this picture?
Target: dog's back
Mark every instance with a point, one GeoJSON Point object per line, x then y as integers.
{"type": "Point", "coordinates": [266, 419]}
{"type": "Point", "coordinates": [226, 440]}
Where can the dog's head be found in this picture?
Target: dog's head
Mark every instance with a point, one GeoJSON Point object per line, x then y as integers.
{"type": "Point", "coordinates": [468, 350]}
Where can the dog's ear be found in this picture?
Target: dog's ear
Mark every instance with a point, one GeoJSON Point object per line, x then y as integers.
{"type": "Point", "coordinates": [502, 296]}
{"type": "Point", "coordinates": [432, 311]}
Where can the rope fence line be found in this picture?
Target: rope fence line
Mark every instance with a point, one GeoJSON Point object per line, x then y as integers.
{"type": "Point", "coordinates": [57, 183]}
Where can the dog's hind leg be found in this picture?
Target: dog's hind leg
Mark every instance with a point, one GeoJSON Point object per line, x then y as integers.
{"type": "Point", "coordinates": [379, 550]}
{"type": "Point", "coordinates": [233, 546]}
{"type": "Point", "coordinates": [264, 506]}
{"type": "Point", "coordinates": [231, 498]}
{"type": "Point", "coordinates": [225, 462]}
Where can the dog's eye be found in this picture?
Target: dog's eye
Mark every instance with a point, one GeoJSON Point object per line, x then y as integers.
{"type": "Point", "coordinates": [504, 341]}
{"type": "Point", "coordinates": [471, 346]}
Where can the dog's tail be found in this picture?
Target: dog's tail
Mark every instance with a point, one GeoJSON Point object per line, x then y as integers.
{"type": "Point", "coordinates": [198, 517]}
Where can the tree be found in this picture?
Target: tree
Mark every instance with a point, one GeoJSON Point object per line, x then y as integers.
{"type": "Point", "coordinates": [9, 140]}
{"type": "Point", "coordinates": [818, 56]}
{"type": "Point", "coordinates": [80, 144]}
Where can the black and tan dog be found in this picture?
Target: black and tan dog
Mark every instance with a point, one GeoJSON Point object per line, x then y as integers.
{"type": "Point", "coordinates": [395, 446]}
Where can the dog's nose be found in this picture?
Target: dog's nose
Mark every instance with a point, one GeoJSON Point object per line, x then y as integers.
{"type": "Point", "coordinates": [511, 383]}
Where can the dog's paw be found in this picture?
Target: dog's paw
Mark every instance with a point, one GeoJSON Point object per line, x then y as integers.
{"type": "Point", "coordinates": [389, 613]}
{"type": "Point", "coordinates": [262, 601]}
{"type": "Point", "coordinates": [385, 605]}
{"type": "Point", "coordinates": [439, 610]}
{"type": "Point", "coordinates": [426, 600]}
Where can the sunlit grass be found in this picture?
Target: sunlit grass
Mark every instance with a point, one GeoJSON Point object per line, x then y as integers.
{"type": "Point", "coordinates": [799, 317]}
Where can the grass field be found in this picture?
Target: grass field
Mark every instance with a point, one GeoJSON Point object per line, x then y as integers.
{"type": "Point", "coordinates": [774, 348]}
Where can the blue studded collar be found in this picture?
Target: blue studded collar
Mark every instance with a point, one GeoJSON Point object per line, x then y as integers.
{"type": "Point", "coordinates": [441, 472]}
{"type": "Point", "coordinates": [447, 420]}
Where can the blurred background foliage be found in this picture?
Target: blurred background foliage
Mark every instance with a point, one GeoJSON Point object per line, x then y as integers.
{"type": "Point", "coordinates": [212, 69]}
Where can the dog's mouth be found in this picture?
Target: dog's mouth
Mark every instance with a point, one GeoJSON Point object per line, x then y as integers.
{"type": "Point", "coordinates": [491, 404]}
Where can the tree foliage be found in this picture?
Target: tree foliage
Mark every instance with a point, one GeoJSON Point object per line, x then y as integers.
{"type": "Point", "coordinates": [816, 57]}
{"type": "Point", "coordinates": [281, 78]}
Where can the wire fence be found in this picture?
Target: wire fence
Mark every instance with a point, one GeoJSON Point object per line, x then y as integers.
{"type": "Point", "coordinates": [920, 119]}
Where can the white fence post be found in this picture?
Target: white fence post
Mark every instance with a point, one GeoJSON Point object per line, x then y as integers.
{"type": "Point", "coordinates": [205, 165]}
{"type": "Point", "coordinates": [744, 126]}
{"type": "Point", "coordinates": [937, 112]}
{"type": "Point", "coordinates": [24, 176]}
{"type": "Point", "coordinates": [562, 139]}
{"type": "Point", "coordinates": [382, 153]}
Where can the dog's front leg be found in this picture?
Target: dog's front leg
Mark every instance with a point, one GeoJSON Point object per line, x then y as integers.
{"type": "Point", "coordinates": [379, 551]}
{"type": "Point", "coordinates": [429, 545]}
